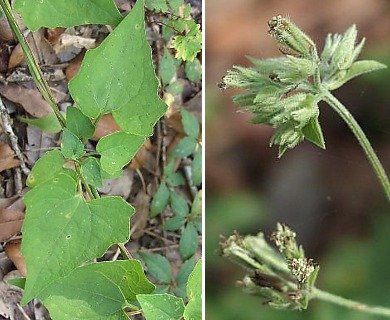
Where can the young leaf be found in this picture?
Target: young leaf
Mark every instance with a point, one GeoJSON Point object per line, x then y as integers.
{"type": "Point", "coordinates": [188, 46]}
{"type": "Point", "coordinates": [160, 200]}
{"type": "Point", "coordinates": [128, 88]}
{"type": "Point", "coordinates": [193, 70]}
{"type": "Point", "coordinates": [182, 277]}
{"type": "Point", "coordinates": [179, 205]}
{"type": "Point", "coordinates": [47, 123]}
{"type": "Point", "coordinates": [167, 67]}
{"type": "Point", "coordinates": [313, 132]}
{"type": "Point", "coordinates": [184, 148]}
{"type": "Point", "coordinates": [78, 123]}
{"type": "Point", "coordinates": [175, 88]}
{"type": "Point", "coordinates": [54, 248]}
{"type": "Point", "coordinates": [190, 124]}
{"type": "Point", "coordinates": [161, 306]}
{"type": "Point", "coordinates": [188, 242]}
{"type": "Point", "coordinates": [55, 161]}
{"type": "Point", "coordinates": [158, 266]}
{"type": "Point", "coordinates": [96, 291]}
{"type": "Point", "coordinates": [172, 178]}
{"type": "Point", "coordinates": [71, 146]}
{"type": "Point", "coordinates": [193, 309]}
{"type": "Point", "coordinates": [196, 168]}
{"type": "Point", "coordinates": [358, 68]}
{"type": "Point", "coordinates": [91, 171]}
{"type": "Point", "coordinates": [117, 149]}
{"type": "Point", "coordinates": [59, 13]}
{"type": "Point", "coordinates": [196, 208]}
{"type": "Point", "coordinates": [174, 223]}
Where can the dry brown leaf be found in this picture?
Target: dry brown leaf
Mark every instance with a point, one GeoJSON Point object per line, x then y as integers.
{"type": "Point", "coordinates": [7, 157]}
{"type": "Point", "coordinates": [143, 156]}
{"type": "Point", "coordinates": [74, 65]}
{"type": "Point", "coordinates": [53, 35]}
{"type": "Point", "coordinates": [140, 219]}
{"type": "Point", "coordinates": [5, 30]}
{"type": "Point", "coordinates": [12, 248]}
{"type": "Point", "coordinates": [10, 223]}
{"type": "Point", "coordinates": [37, 41]}
{"type": "Point", "coordinates": [106, 126]}
{"type": "Point", "coordinates": [120, 186]}
{"type": "Point", "coordinates": [30, 99]}
{"type": "Point", "coordinates": [4, 56]}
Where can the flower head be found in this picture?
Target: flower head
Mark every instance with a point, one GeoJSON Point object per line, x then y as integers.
{"type": "Point", "coordinates": [283, 279]}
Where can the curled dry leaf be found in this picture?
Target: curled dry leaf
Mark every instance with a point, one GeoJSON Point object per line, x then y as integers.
{"type": "Point", "coordinates": [7, 157]}
{"type": "Point", "coordinates": [53, 35]}
{"type": "Point", "coordinates": [5, 30]}
{"type": "Point", "coordinates": [141, 216]}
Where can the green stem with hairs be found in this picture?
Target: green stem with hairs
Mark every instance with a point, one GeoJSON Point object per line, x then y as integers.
{"type": "Point", "coordinates": [347, 303]}
{"type": "Point", "coordinates": [361, 137]}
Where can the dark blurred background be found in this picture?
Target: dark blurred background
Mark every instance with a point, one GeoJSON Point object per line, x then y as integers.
{"type": "Point", "coordinates": [331, 198]}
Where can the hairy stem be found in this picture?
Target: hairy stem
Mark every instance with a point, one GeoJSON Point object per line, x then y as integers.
{"type": "Point", "coordinates": [361, 137]}
{"type": "Point", "coordinates": [32, 63]}
{"type": "Point", "coordinates": [332, 298]}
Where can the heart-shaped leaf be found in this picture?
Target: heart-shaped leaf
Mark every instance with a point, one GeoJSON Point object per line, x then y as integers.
{"type": "Point", "coordinates": [74, 231]}
{"type": "Point", "coordinates": [128, 88]}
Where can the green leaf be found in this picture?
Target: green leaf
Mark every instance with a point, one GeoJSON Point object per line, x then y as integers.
{"type": "Point", "coordinates": [174, 223]}
{"type": "Point", "coordinates": [196, 168]}
{"type": "Point", "coordinates": [175, 6]}
{"type": "Point", "coordinates": [71, 146]}
{"type": "Point", "coordinates": [55, 161]}
{"type": "Point", "coordinates": [190, 124]}
{"type": "Point", "coordinates": [162, 289]}
{"type": "Point", "coordinates": [161, 306]}
{"type": "Point", "coordinates": [184, 148]}
{"type": "Point", "coordinates": [117, 149]}
{"type": "Point", "coordinates": [312, 132]}
{"type": "Point", "coordinates": [158, 266]}
{"type": "Point", "coordinates": [78, 123]}
{"type": "Point", "coordinates": [198, 224]}
{"type": "Point", "coordinates": [156, 5]}
{"type": "Point", "coordinates": [160, 200]}
{"type": "Point", "coordinates": [17, 282]}
{"type": "Point", "coordinates": [96, 291]}
{"type": "Point", "coordinates": [196, 208]}
{"type": "Point", "coordinates": [59, 13]}
{"type": "Point", "coordinates": [194, 285]}
{"type": "Point", "coordinates": [358, 68]}
{"type": "Point", "coordinates": [188, 46]}
{"type": "Point", "coordinates": [167, 67]}
{"type": "Point", "coordinates": [193, 310]}
{"type": "Point", "coordinates": [188, 242]}
{"type": "Point", "coordinates": [193, 70]}
{"type": "Point", "coordinates": [127, 85]}
{"type": "Point", "coordinates": [91, 171]}
{"type": "Point", "coordinates": [182, 277]}
{"type": "Point", "coordinates": [175, 88]}
{"type": "Point", "coordinates": [47, 123]}
{"type": "Point", "coordinates": [74, 231]}
{"type": "Point", "coordinates": [172, 178]}
{"type": "Point", "coordinates": [179, 205]}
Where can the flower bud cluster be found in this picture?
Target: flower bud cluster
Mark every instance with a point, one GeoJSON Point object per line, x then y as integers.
{"type": "Point", "coordinates": [283, 279]}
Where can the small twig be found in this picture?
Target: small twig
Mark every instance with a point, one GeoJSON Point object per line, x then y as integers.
{"type": "Point", "coordinates": [25, 315]}
{"type": "Point", "coordinates": [7, 124]}
{"type": "Point", "coordinates": [159, 249]}
{"type": "Point", "coordinates": [188, 177]}
{"type": "Point", "coordinates": [142, 179]}
{"type": "Point", "coordinates": [126, 252]}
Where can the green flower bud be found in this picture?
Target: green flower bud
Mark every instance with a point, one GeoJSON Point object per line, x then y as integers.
{"type": "Point", "coordinates": [288, 34]}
